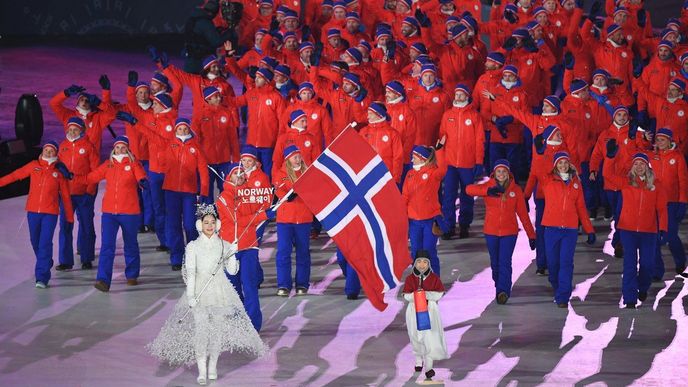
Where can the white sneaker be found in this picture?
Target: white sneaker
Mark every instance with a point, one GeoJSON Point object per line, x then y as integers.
{"type": "Point", "coordinates": [40, 285]}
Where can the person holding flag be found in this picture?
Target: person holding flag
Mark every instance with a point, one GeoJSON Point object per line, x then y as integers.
{"type": "Point", "coordinates": [422, 290]}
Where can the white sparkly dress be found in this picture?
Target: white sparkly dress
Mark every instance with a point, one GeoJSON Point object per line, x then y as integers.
{"type": "Point", "coordinates": [218, 323]}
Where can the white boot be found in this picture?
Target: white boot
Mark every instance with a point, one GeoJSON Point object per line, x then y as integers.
{"type": "Point", "coordinates": [202, 370]}
{"type": "Point", "coordinates": [212, 366]}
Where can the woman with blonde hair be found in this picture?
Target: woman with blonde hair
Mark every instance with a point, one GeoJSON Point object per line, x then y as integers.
{"type": "Point", "coordinates": [643, 216]}
{"type": "Point", "coordinates": [293, 226]}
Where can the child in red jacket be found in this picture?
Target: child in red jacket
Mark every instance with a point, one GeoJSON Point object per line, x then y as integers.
{"type": "Point", "coordinates": [123, 175]}
{"type": "Point", "coordinates": [503, 203]}
{"type": "Point", "coordinates": [47, 185]}
{"type": "Point", "coordinates": [293, 226]}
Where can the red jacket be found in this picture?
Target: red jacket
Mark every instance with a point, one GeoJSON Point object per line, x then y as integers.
{"type": "Point", "coordinates": [485, 82]}
{"type": "Point", "coordinates": [405, 123]}
{"type": "Point", "coordinates": [501, 211]}
{"type": "Point", "coordinates": [656, 77]}
{"type": "Point", "coordinates": [387, 144]}
{"type": "Point", "coordinates": [238, 216]}
{"type": "Point", "coordinates": [345, 108]}
{"type": "Point", "coordinates": [80, 157]}
{"type": "Point", "coordinates": [216, 127]}
{"type": "Point", "coordinates": [579, 131]}
{"type": "Point", "coordinates": [541, 165]}
{"type": "Point", "coordinates": [641, 206]}
{"type": "Point", "coordinates": [265, 105]}
{"type": "Point", "coordinates": [670, 115]}
{"type": "Point", "coordinates": [185, 164]}
{"type": "Point", "coordinates": [564, 203]}
{"type": "Point", "coordinates": [196, 84]}
{"type": "Point", "coordinates": [669, 166]}
{"type": "Point", "coordinates": [533, 71]}
{"type": "Point", "coordinates": [319, 121]}
{"type": "Point", "coordinates": [295, 211]}
{"type": "Point", "coordinates": [620, 134]}
{"type": "Point", "coordinates": [465, 145]}
{"type": "Point", "coordinates": [421, 188]}
{"type": "Point", "coordinates": [517, 98]}
{"type": "Point", "coordinates": [45, 185]}
{"type": "Point", "coordinates": [457, 64]}
{"type": "Point", "coordinates": [121, 189]}
{"type": "Point", "coordinates": [585, 63]}
{"type": "Point", "coordinates": [308, 145]}
{"type": "Point", "coordinates": [158, 129]}
{"type": "Point", "coordinates": [428, 106]}
{"type": "Point", "coordinates": [138, 143]}
{"type": "Point", "coordinates": [96, 121]}
{"type": "Point", "coordinates": [618, 61]}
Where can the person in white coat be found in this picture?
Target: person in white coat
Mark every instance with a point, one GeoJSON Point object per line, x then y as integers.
{"type": "Point", "coordinates": [219, 322]}
{"type": "Point", "coordinates": [425, 287]}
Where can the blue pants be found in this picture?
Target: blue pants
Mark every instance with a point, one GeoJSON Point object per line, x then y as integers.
{"type": "Point", "coordinates": [526, 151]}
{"type": "Point", "coordinates": [215, 180]}
{"type": "Point", "coordinates": [635, 281]}
{"type": "Point", "coordinates": [246, 284]}
{"type": "Point", "coordinates": [560, 244]}
{"type": "Point", "coordinates": [501, 249]}
{"type": "Point", "coordinates": [613, 198]}
{"type": "Point", "coordinates": [677, 211]}
{"type": "Point", "coordinates": [110, 224]}
{"type": "Point", "coordinates": [41, 230]}
{"type": "Point", "coordinates": [422, 238]}
{"type": "Point", "coordinates": [83, 205]}
{"type": "Point", "coordinates": [540, 249]}
{"type": "Point", "coordinates": [265, 158]}
{"type": "Point", "coordinates": [487, 162]}
{"type": "Point", "coordinates": [158, 203]}
{"type": "Point", "coordinates": [146, 201]}
{"type": "Point", "coordinates": [352, 285]}
{"type": "Point", "coordinates": [500, 150]}
{"type": "Point", "coordinates": [454, 179]}
{"type": "Point", "coordinates": [180, 209]}
{"type": "Point", "coordinates": [591, 189]}
{"type": "Point", "coordinates": [298, 236]}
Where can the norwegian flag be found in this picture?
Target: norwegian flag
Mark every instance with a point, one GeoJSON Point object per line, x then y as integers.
{"type": "Point", "coordinates": [353, 195]}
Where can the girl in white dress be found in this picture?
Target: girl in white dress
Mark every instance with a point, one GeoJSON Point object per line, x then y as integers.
{"type": "Point", "coordinates": [218, 321]}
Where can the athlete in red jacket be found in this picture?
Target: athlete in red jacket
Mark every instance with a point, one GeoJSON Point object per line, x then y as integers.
{"type": "Point", "coordinates": [80, 158]}
{"type": "Point", "coordinates": [293, 225]}
{"type": "Point", "coordinates": [643, 216]}
{"type": "Point", "coordinates": [428, 101]}
{"type": "Point", "coordinates": [47, 187]}
{"type": "Point", "coordinates": [384, 140]}
{"type": "Point", "coordinates": [564, 212]}
{"type": "Point", "coordinates": [463, 132]}
{"type": "Point", "coordinates": [503, 203]}
{"type": "Point", "coordinates": [122, 174]}
{"type": "Point", "coordinates": [420, 194]}
{"type": "Point", "coordinates": [403, 120]}
{"type": "Point", "coordinates": [217, 126]}
{"type": "Point", "coordinates": [297, 134]}
{"type": "Point", "coordinates": [669, 166]}
{"type": "Point", "coordinates": [319, 121]}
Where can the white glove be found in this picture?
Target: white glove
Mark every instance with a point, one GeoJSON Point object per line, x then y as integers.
{"type": "Point", "coordinates": [193, 301]}
{"type": "Point", "coordinates": [408, 297]}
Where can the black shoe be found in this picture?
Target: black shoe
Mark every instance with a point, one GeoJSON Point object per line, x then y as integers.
{"type": "Point", "coordinates": [463, 232]}
{"type": "Point", "coordinates": [86, 266]}
{"type": "Point", "coordinates": [151, 228]}
{"type": "Point", "coordinates": [618, 250]}
{"type": "Point", "coordinates": [563, 305]}
{"type": "Point", "coordinates": [607, 213]}
{"type": "Point", "coordinates": [630, 306]}
{"type": "Point", "coordinates": [448, 235]}
{"type": "Point", "coordinates": [143, 230]}
{"type": "Point", "coordinates": [656, 279]}
{"type": "Point", "coordinates": [352, 296]}
{"type": "Point", "coordinates": [540, 272]}
{"type": "Point", "coordinates": [429, 375]}
{"type": "Point", "coordinates": [502, 298]}
{"type": "Point", "coordinates": [592, 214]}
{"type": "Point", "coordinates": [418, 368]}
{"type": "Point", "coordinates": [642, 296]}
{"type": "Point", "coordinates": [63, 267]}
{"type": "Point", "coordinates": [176, 267]}
{"type": "Point", "coordinates": [680, 269]}
{"type": "Point", "coordinates": [162, 248]}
